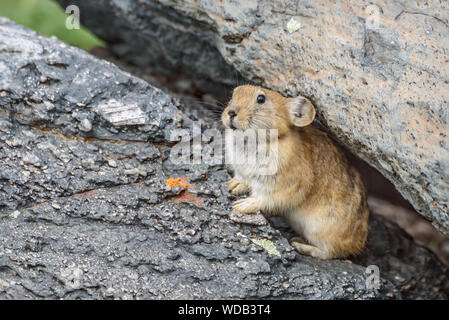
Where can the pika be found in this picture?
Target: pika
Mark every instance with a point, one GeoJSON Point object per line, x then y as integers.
{"type": "Point", "coordinates": [314, 188]}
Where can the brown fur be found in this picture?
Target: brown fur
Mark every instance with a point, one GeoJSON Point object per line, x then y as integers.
{"type": "Point", "coordinates": [314, 188]}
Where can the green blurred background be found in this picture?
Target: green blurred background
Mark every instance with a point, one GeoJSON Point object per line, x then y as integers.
{"type": "Point", "coordinates": [48, 18]}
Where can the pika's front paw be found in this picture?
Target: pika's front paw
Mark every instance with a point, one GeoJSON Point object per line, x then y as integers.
{"type": "Point", "coordinates": [237, 187]}
{"type": "Point", "coordinates": [247, 206]}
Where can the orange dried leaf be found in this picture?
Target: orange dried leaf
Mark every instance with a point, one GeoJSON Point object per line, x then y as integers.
{"type": "Point", "coordinates": [176, 182]}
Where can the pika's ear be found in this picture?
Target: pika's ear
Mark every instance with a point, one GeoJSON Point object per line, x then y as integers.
{"type": "Point", "coordinates": [301, 110]}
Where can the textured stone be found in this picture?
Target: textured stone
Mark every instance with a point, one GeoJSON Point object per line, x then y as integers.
{"type": "Point", "coordinates": [381, 87]}
{"type": "Point", "coordinates": [78, 227]}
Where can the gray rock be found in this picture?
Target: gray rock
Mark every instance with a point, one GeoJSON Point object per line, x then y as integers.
{"type": "Point", "coordinates": [380, 86]}
{"type": "Point", "coordinates": [85, 125]}
{"type": "Point", "coordinates": [79, 227]}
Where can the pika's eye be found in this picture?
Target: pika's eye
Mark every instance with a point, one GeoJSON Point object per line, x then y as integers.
{"type": "Point", "coordinates": [260, 99]}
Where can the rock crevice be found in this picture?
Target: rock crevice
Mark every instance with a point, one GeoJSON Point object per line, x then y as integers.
{"type": "Point", "coordinates": [85, 210]}
{"type": "Point", "coordinates": [378, 72]}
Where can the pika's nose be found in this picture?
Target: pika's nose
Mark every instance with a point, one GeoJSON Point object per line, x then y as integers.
{"type": "Point", "coordinates": [232, 113]}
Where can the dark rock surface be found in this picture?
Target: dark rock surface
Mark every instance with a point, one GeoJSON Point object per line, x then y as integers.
{"type": "Point", "coordinates": [85, 211]}
{"type": "Point", "coordinates": [170, 52]}
{"type": "Point", "coordinates": [380, 84]}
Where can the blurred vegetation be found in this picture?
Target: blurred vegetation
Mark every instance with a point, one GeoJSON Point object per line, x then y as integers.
{"type": "Point", "coordinates": [48, 18]}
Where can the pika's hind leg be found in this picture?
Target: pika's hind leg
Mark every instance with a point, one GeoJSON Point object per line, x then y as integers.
{"type": "Point", "coordinates": [309, 250]}
{"type": "Point", "coordinates": [238, 187]}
